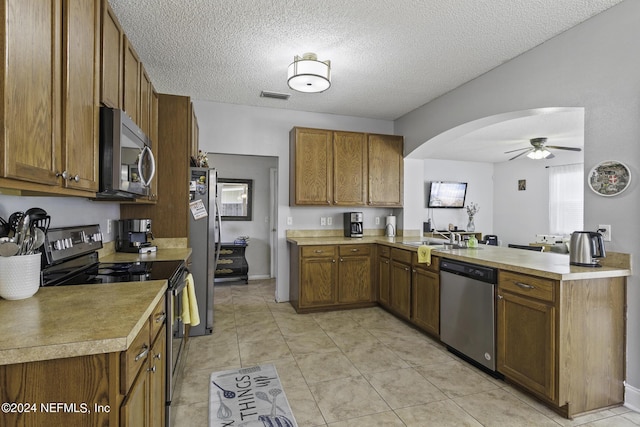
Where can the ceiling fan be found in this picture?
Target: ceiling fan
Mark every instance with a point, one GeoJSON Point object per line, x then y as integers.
{"type": "Point", "coordinates": [539, 150]}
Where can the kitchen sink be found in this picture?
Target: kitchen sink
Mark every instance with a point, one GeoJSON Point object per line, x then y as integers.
{"type": "Point", "coordinates": [438, 244]}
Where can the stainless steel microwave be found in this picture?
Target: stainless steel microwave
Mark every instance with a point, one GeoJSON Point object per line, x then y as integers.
{"type": "Point", "coordinates": [127, 165]}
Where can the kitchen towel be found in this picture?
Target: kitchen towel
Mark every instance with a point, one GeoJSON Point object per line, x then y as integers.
{"type": "Point", "coordinates": [190, 314]}
{"type": "Point", "coordinates": [424, 254]}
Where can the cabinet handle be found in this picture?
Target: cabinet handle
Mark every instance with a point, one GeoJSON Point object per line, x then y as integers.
{"type": "Point", "coordinates": [318, 251]}
{"type": "Point", "coordinates": [75, 178]}
{"type": "Point", "coordinates": [500, 297]}
{"type": "Point", "coordinates": [333, 260]}
{"type": "Point", "coordinates": [524, 285]}
{"type": "Point", "coordinates": [161, 317]}
{"type": "Point", "coordinates": [157, 356]}
{"type": "Point", "coordinates": [152, 369]}
{"type": "Point", "coordinates": [386, 262]}
{"type": "Point", "coordinates": [406, 269]}
{"type": "Point", "coordinates": [143, 353]}
{"type": "Point", "coordinates": [341, 260]}
{"type": "Point", "coordinates": [355, 250]}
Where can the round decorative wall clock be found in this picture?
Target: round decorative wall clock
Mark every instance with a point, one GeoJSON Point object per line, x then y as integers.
{"type": "Point", "coordinates": [609, 178]}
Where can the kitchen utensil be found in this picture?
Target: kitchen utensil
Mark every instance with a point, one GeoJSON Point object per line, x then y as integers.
{"type": "Point", "coordinates": [23, 234]}
{"type": "Point", "coordinates": [263, 396]}
{"type": "Point", "coordinates": [38, 239]}
{"type": "Point", "coordinates": [15, 220]}
{"type": "Point", "coordinates": [4, 227]}
{"type": "Point", "coordinates": [9, 248]}
{"type": "Point", "coordinates": [223, 411]}
{"type": "Point", "coordinates": [228, 394]}
{"type": "Point", "coordinates": [274, 392]}
{"type": "Point", "coordinates": [38, 218]}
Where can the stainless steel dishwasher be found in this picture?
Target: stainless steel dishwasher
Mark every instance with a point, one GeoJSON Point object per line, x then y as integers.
{"type": "Point", "coordinates": [467, 311]}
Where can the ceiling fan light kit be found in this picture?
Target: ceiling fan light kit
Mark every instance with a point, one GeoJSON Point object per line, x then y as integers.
{"type": "Point", "coordinates": [539, 150]}
{"type": "Point", "coordinates": [307, 74]}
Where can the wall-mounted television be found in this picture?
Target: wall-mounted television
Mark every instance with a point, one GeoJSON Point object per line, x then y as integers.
{"type": "Point", "coordinates": [447, 194]}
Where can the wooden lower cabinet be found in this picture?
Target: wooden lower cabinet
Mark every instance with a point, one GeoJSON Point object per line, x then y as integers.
{"type": "Point", "coordinates": [425, 300]}
{"type": "Point", "coordinates": [563, 341]}
{"type": "Point", "coordinates": [108, 389]}
{"type": "Point", "coordinates": [383, 277]}
{"type": "Point", "coordinates": [331, 276]}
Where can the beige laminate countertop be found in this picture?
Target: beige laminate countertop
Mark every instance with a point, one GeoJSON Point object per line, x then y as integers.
{"type": "Point", "coordinates": [542, 264]}
{"type": "Point", "coordinates": [69, 321]}
{"type": "Point", "coordinates": [162, 254]}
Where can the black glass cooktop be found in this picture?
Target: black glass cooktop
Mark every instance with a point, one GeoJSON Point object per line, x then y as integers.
{"type": "Point", "coordinates": [99, 273]}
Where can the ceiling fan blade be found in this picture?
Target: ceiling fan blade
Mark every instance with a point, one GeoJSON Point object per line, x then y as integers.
{"type": "Point", "coordinates": [519, 149]}
{"type": "Point", "coordinates": [521, 154]}
{"type": "Point", "coordinates": [564, 148]}
{"type": "Point", "coordinates": [550, 156]}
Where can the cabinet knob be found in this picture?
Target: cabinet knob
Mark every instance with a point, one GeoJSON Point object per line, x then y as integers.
{"type": "Point", "coordinates": [63, 174]}
{"type": "Point", "coordinates": [333, 260]}
{"type": "Point", "coordinates": [341, 260]}
{"type": "Point", "coordinates": [406, 269]}
{"type": "Point", "coordinates": [500, 297]}
{"type": "Point", "coordinates": [152, 369]}
{"type": "Point", "coordinates": [75, 178]}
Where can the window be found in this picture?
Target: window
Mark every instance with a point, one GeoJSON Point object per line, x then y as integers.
{"type": "Point", "coordinates": [566, 198]}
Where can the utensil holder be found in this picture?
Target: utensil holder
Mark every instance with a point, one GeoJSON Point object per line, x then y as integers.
{"type": "Point", "coordinates": [19, 276]}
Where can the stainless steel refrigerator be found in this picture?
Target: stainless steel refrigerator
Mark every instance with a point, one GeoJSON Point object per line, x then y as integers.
{"type": "Point", "coordinates": [204, 239]}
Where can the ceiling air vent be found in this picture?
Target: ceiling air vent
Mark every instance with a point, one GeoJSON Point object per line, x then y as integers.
{"type": "Point", "coordinates": [274, 95]}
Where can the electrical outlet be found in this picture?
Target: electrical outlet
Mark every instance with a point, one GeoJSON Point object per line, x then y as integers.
{"type": "Point", "coordinates": [605, 230]}
{"type": "Point", "coordinates": [289, 220]}
{"type": "Point", "coordinates": [108, 226]}
{"type": "Point", "coordinates": [323, 221]}
{"type": "Point", "coordinates": [329, 220]}
{"type": "Point", "coordinates": [377, 220]}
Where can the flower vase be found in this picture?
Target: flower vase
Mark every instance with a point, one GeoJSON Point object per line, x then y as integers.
{"type": "Point", "coordinates": [471, 226]}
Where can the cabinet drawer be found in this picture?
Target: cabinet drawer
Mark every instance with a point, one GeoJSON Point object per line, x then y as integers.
{"type": "Point", "coordinates": [401, 255]}
{"type": "Point", "coordinates": [158, 318]}
{"type": "Point", "coordinates": [132, 360]}
{"type": "Point", "coordinates": [346, 250]}
{"type": "Point", "coordinates": [384, 251]}
{"type": "Point", "coordinates": [318, 251]}
{"type": "Point", "coordinates": [531, 286]}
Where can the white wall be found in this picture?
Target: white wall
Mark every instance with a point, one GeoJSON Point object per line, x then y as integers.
{"type": "Point", "coordinates": [238, 129]}
{"type": "Point", "coordinates": [520, 215]}
{"type": "Point", "coordinates": [594, 65]}
{"type": "Point", "coordinates": [65, 211]}
{"type": "Point", "coordinates": [256, 168]}
{"type": "Point", "coordinates": [479, 177]}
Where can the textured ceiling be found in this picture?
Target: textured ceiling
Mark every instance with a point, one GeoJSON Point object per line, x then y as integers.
{"type": "Point", "coordinates": [388, 57]}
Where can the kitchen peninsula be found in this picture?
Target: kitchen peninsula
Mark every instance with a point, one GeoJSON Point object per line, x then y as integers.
{"type": "Point", "coordinates": [560, 328]}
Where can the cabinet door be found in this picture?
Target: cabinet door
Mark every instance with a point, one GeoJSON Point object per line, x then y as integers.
{"type": "Point", "coordinates": [145, 101]}
{"type": "Point", "coordinates": [384, 269]}
{"type": "Point", "coordinates": [318, 281]}
{"type": "Point", "coordinates": [80, 94]}
{"type": "Point", "coordinates": [425, 300]}
{"type": "Point", "coordinates": [386, 169]}
{"type": "Point", "coordinates": [349, 169]}
{"type": "Point", "coordinates": [311, 171]}
{"type": "Point", "coordinates": [131, 82]}
{"type": "Point", "coordinates": [31, 140]}
{"type": "Point", "coordinates": [134, 411]}
{"type": "Point", "coordinates": [157, 380]}
{"type": "Point", "coordinates": [111, 58]}
{"type": "Point", "coordinates": [526, 343]}
{"type": "Point", "coordinates": [354, 283]}
{"type": "Point", "coordinates": [400, 288]}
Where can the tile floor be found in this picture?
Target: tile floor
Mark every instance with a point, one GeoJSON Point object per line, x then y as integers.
{"type": "Point", "coordinates": [355, 368]}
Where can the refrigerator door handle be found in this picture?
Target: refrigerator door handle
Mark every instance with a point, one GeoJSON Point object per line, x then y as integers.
{"type": "Point", "coordinates": [219, 227]}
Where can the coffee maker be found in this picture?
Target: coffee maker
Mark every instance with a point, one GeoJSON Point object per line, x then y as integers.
{"type": "Point", "coordinates": [353, 224]}
{"type": "Point", "coordinates": [132, 235]}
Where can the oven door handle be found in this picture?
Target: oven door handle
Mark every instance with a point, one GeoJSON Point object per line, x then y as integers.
{"type": "Point", "coordinates": [181, 284]}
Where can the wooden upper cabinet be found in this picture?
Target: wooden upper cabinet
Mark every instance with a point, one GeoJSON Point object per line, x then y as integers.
{"type": "Point", "coordinates": [80, 94]}
{"type": "Point", "coordinates": [386, 170]}
{"type": "Point", "coordinates": [131, 82]}
{"type": "Point", "coordinates": [146, 88]}
{"type": "Point", "coordinates": [349, 168]}
{"type": "Point", "coordinates": [345, 168]}
{"type": "Point", "coordinates": [311, 174]}
{"type": "Point", "coordinates": [111, 58]}
{"type": "Point", "coordinates": [31, 79]}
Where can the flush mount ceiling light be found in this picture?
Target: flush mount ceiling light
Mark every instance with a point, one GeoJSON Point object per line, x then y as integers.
{"type": "Point", "coordinates": [307, 74]}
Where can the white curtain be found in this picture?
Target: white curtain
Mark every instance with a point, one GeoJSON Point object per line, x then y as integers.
{"type": "Point", "coordinates": [566, 198]}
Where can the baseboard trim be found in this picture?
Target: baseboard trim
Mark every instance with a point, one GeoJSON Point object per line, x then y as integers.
{"type": "Point", "coordinates": [259, 277]}
{"type": "Point", "coordinates": [632, 398]}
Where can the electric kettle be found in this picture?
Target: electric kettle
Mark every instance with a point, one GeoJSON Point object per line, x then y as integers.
{"type": "Point", "coordinates": [586, 248]}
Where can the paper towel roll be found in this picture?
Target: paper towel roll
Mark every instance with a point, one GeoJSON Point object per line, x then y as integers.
{"type": "Point", "coordinates": [390, 227]}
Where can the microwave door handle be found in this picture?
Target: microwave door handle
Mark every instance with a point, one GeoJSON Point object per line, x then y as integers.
{"type": "Point", "coordinates": [146, 182]}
